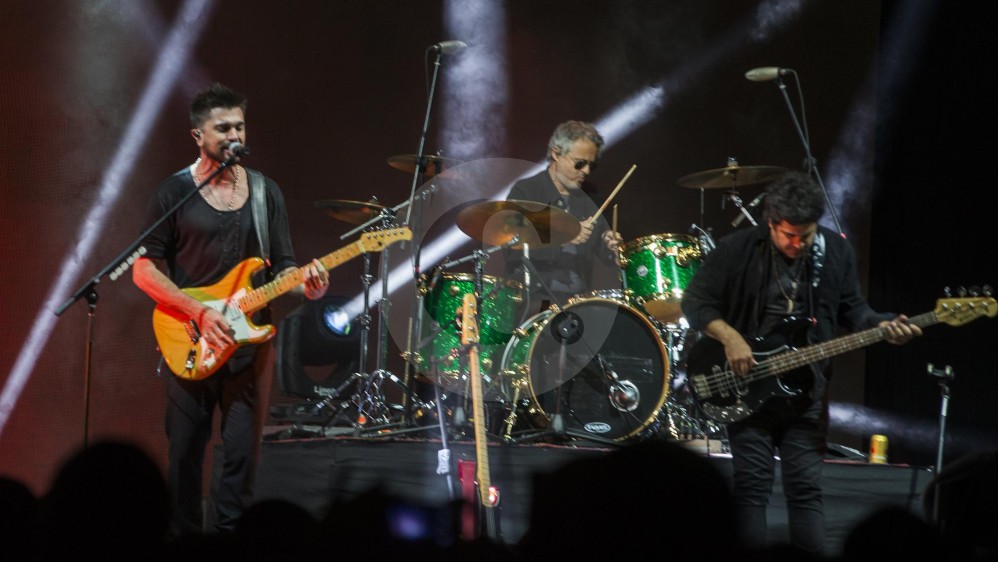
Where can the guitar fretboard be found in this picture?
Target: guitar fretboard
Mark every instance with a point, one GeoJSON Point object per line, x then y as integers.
{"type": "Point", "coordinates": [785, 362]}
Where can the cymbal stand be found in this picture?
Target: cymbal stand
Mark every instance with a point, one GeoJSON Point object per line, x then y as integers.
{"type": "Point", "coordinates": [370, 391]}
{"type": "Point", "coordinates": [736, 200]}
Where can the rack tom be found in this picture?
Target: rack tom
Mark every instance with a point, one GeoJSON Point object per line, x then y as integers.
{"type": "Point", "coordinates": [657, 269]}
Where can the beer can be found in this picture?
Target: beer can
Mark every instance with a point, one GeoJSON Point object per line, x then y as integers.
{"type": "Point", "coordinates": [878, 449]}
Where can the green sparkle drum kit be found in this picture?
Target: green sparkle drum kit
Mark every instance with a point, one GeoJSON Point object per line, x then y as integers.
{"type": "Point", "coordinates": [605, 367]}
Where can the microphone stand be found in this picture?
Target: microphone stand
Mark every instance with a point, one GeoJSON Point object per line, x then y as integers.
{"type": "Point", "coordinates": [805, 141]}
{"type": "Point", "coordinates": [945, 375]}
{"type": "Point", "coordinates": [114, 269]}
{"type": "Point", "coordinates": [420, 159]}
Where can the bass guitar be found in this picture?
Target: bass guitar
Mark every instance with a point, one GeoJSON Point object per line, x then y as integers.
{"type": "Point", "coordinates": [782, 370]}
{"type": "Point", "coordinates": [189, 356]}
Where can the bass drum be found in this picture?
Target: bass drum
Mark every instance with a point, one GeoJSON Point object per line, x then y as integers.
{"type": "Point", "coordinates": [604, 359]}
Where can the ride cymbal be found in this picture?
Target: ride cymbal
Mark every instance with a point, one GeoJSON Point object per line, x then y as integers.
{"type": "Point", "coordinates": [351, 212]}
{"type": "Point", "coordinates": [434, 164]}
{"type": "Point", "coordinates": [732, 176]}
{"type": "Point", "coordinates": [497, 222]}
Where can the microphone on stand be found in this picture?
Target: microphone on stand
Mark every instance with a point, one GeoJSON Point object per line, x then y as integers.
{"type": "Point", "coordinates": [767, 73]}
{"type": "Point", "coordinates": [448, 47]}
{"type": "Point", "coordinates": [752, 205]}
{"type": "Point", "coordinates": [237, 150]}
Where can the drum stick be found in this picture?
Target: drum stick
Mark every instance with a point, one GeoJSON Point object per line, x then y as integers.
{"type": "Point", "coordinates": [619, 185]}
{"type": "Point", "coordinates": [614, 227]}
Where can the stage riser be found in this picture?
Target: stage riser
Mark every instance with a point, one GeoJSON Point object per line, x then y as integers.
{"type": "Point", "coordinates": [315, 472]}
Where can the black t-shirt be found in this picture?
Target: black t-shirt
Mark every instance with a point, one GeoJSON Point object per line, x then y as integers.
{"type": "Point", "coordinates": [201, 244]}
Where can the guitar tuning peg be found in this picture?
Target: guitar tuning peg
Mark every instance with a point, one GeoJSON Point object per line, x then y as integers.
{"type": "Point", "coordinates": [987, 290]}
{"type": "Point", "coordinates": [975, 291]}
{"type": "Point", "coordinates": [961, 292]}
{"type": "Point", "coordinates": [947, 292]}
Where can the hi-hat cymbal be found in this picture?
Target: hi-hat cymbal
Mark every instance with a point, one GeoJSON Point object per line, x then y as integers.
{"type": "Point", "coordinates": [352, 212]}
{"type": "Point", "coordinates": [497, 222]}
{"type": "Point", "coordinates": [434, 164]}
{"type": "Point", "coordinates": [732, 176]}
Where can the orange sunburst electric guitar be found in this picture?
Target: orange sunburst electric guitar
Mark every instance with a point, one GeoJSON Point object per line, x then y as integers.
{"type": "Point", "coordinates": [190, 357]}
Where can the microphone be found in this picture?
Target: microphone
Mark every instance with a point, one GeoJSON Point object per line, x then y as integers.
{"type": "Point", "coordinates": [767, 73]}
{"type": "Point", "coordinates": [448, 47]}
{"type": "Point", "coordinates": [752, 205]}
{"type": "Point", "coordinates": [237, 150]}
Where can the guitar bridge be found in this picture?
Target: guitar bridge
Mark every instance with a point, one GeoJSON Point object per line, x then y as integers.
{"type": "Point", "coordinates": [192, 331]}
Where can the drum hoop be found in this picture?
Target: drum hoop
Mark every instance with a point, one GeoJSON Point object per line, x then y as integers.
{"type": "Point", "coordinates": [663, 395]}
{"type": "Point", "coordinates": [486, 279]}
{"type": "Point", "coordinates": [639, 243]}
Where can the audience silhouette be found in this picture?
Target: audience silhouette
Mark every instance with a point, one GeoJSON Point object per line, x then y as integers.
{"type": "Point", "coordinates": [107, 501]}
{"type": "Point", "coordinates": [650, 499]}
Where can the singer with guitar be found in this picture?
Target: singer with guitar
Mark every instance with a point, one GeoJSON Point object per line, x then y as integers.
{"type": "Point", "coordinates": [756, 283]}
{"type": "Point", "coordinates": [238, 214]}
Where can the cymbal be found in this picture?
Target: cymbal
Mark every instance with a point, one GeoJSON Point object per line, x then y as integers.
{"type": "Point", "coordinates": [732, 176]}
{"type": "Point", "coordinates": [352, 212]}
{"type": "Point", "coordinates": [537, 224]}
{"type": "Point", "coordinates": [434, 164]}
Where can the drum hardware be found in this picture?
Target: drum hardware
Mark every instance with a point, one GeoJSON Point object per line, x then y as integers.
{"type": "Point", "coordinates": [707, 244]}
{"type": "Point", "coordinates": [730, 177]}
{"type": "Point", "coordinates": [369, 398]}
{"type": "Point", "coordinates": [736, 200]}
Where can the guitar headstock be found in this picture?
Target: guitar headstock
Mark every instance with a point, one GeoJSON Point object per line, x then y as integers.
{"type": "Point", "coordinates": [378, 239]}
{"type": "Point", "coordinates": [959, 311]}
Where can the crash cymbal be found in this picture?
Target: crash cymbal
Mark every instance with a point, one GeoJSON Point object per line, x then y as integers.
{"type": "Point", "coordinates": [352, 212]}
{"type": "Point", "coordinates": [434, 164]}
{"type": "Point", "coordinates": [537, 224]}
{"type": "Point", "coordinates": [732, 176]}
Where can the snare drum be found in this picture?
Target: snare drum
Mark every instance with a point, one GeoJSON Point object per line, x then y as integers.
{"type": "Point", "coordinates": [612, 378]}
{"type": "Point", "coordinates": [497, 317]}
{"type": "Point", "coordinates": [657, 269]}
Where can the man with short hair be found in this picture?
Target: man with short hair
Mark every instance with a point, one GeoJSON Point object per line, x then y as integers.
{"type": "Point", "coordinates": [211, 233]}
{"type": "Point", "coordinates": [757, 278]}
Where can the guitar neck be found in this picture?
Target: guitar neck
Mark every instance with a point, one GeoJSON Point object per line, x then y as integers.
{"type": "Point", "coordinates": [469, 337]}
{"type": "Point", "coordinates": [259, 297]}
{"type": "Point", "coordinates": [785, 362]}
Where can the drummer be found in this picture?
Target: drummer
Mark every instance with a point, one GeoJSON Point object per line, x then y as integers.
{"type": "Point", "coordinates": [568, 270]}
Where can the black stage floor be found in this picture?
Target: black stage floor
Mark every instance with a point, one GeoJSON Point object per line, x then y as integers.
{"type": "Point", "coordinates": [314, 472]}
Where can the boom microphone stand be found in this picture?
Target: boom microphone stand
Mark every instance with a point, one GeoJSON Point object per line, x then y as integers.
{"type": "Point", "coordinates": [772, 73]}
{"type": "Point", "coordinates": [116, 268]}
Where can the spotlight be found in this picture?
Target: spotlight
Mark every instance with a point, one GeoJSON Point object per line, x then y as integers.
{"type": "Point", "coordinates": [318, 348]}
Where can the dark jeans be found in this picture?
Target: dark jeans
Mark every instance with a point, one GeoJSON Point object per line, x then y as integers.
{"type": "Point", "coordinates": [795, 429]}
{"type": "Point", "coordinates": [236, 390]}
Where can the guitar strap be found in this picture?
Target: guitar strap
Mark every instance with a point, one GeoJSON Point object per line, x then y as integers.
{"type": "Point", "coordinates": [258, 207]}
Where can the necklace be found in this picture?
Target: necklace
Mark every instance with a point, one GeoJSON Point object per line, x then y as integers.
{"type": "Point", "coordinates": [794, 282]}
{"type": "Point", "coordinates": [211, 193]}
